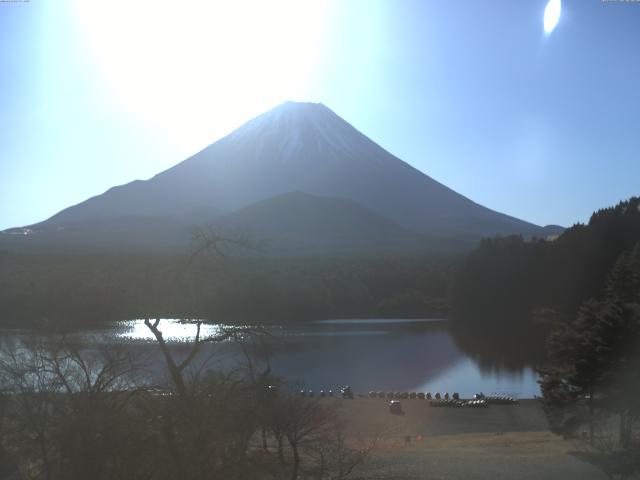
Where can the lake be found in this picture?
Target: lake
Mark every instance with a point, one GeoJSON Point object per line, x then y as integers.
{"type": "Point", "coordinates": [368, 354]}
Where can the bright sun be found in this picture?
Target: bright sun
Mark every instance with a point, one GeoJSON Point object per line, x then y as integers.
{"type": "Point", "coordinates": [182, 66]}
{"type": "Point", "coordinates": [552, 15]}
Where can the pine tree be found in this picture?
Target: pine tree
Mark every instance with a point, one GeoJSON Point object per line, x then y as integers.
{"type": "Point", "coordinates": [594, 359]}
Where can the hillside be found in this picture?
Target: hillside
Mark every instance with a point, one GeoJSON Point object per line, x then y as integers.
{"type": "Point", "coordinates": [515, 276]}
{"type": "Point", "coordinates": [297, 222]}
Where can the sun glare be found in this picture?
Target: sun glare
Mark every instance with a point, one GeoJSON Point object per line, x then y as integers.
{"type": "Point", "coordinates": [552, 15]}
{"type": "Point", "coordinates": [184, 66]}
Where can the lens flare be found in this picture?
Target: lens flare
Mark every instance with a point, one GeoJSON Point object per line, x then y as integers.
{"type": "Point", "coordinates": [188, 66]}
{"type": "Point", "coordinates": [552, 15]}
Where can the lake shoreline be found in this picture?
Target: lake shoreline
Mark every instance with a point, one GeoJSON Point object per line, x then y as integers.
{"type": "Point", "coordinates": [386, 355]}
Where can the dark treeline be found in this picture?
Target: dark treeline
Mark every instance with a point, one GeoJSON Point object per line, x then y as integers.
{"type": "Point", "coordinates": [74, 290]}
{"type": "Point", "coordinates": [591, 380]}
{"type": "Point", "coordinates": [596, 354]}
{"type": "Point", "coordinates": [509, 291]}
{"type": "Point", "coordinates": [507, 278]}
{"type": "Point", "coordinates": [578, 296]}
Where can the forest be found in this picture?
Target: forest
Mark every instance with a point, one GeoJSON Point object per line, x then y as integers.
{"type": "Point", "coordinates": [510, 277]}
{"type": "Point", "coordinates": [67, 291]}
{"type": "Point", "coordinates": [579, 296]}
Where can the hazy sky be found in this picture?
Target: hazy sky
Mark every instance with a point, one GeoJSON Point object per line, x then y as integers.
{"type": "Point", "coordinates": [473, 93]}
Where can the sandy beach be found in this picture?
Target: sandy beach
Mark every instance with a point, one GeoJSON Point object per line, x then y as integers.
{"type": "Point", "coordinates": [498, 442]}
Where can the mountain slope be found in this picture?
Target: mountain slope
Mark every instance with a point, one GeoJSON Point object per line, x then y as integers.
{"type": "Point", "coordinates": [300, 147]}
{"type": "Point", "coordinates": [123, 234]}
{"type": "Point", "coordinates": [296, 222]}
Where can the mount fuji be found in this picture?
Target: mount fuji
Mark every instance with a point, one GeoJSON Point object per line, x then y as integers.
{"type": "Point", "coordinates": [296, 169]}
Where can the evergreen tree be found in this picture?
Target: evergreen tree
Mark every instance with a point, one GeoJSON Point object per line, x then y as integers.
{"type": "Point", "coordinates": [506, 278]}
{"type": "Point", "coordinates": [594, 359]}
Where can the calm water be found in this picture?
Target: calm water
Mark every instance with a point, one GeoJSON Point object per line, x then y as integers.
{"type": "Point", "coordinates": [374, 354]}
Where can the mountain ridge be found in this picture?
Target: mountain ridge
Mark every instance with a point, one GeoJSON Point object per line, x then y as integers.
{"type": "Point", "coordinates": [303, 147]}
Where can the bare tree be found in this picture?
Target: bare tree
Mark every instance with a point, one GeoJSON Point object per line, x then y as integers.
{"type": "Point", "coordinates": [67, 409]}
{"type": "Point", "coordinates": [177, 368]}
{"type": "Point", "coordinates": [337, 456]}
{"type": "Point", "coordinates": [305, 419]}
{"type": "Point", "coordinates": [208, 418]}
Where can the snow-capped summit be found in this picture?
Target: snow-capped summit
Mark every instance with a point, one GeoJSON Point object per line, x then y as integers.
{"type": "Point", "coordinates": [291, 122]}
{"type": "Point", "coordinates": [297, 127]}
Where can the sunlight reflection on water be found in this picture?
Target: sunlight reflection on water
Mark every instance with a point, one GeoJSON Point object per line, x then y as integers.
{"type": "Point", "coordinates": [369, 354]}
{"type": "Point", "coordinates": [173, 330]}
